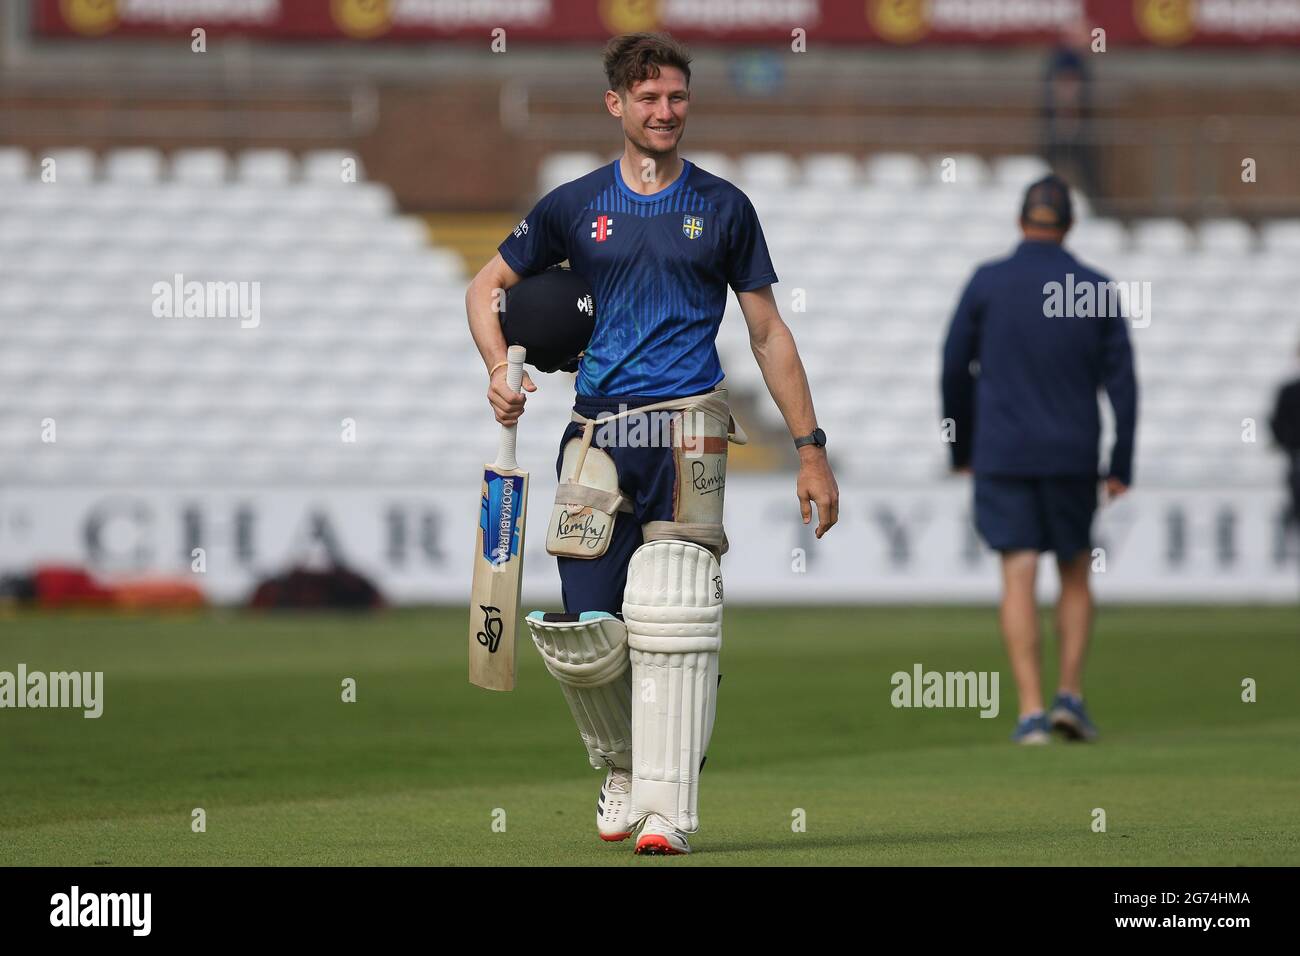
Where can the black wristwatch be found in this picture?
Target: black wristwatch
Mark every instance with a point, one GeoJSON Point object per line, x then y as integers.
{"type": "Point", "coordinates": [818, 438]}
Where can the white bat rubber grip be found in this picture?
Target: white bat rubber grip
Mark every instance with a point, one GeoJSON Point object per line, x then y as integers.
{"type": "Point", "coordinates": [515, 356]}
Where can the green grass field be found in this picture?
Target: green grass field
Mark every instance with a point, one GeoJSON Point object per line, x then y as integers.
{"type": "Point", "coordinates": [241, 715]}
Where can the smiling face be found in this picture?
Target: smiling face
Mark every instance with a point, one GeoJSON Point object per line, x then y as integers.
{"type": "Point", "coordinates": [653, 111]}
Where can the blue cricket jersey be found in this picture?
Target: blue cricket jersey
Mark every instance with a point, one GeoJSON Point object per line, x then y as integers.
{"type": "Point", "coordinates": [659, 267]}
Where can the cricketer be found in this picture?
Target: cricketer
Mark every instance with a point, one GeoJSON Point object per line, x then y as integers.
{"type": "Point", "coordinates": [637, 525]}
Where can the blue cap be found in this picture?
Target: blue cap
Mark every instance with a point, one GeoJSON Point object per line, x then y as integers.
{"type": "Point", "coordinates": [1047, 204]}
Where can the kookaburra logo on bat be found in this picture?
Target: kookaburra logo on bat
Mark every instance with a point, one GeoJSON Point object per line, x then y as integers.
{"type": "Point", "coordinates": [490, 635]}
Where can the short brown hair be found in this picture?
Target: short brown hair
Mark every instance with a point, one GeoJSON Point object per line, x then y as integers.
{"type": "Point", "coordinates": [634, 57]}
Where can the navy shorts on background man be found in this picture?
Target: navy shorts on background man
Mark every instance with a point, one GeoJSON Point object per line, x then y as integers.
{"type": "Point", "coordinates": [1014, 513]}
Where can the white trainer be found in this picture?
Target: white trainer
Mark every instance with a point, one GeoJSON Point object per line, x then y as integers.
{"type": "Point", "coordinates": [614, 807]}
{"type": "Point", "coordinates": [658, 837]}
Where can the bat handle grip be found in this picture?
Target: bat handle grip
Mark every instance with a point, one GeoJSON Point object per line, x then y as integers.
{"type": "Point", "coordinates": [515, 356]}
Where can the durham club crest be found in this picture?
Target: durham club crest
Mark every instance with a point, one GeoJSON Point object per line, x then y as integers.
{"type": "Point", "coordinates": [692, 226]}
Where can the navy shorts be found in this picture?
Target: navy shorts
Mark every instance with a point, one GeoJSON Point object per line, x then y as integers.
{"type": "Point", "coordinates": [648, 476]}
{"type": "Point", "coordinates": [1015, 513]}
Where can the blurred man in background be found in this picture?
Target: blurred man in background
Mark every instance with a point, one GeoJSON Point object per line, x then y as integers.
{"type": "Point", "coordinates": [1286, 430]}
{"type": "Point", "coordinates": [1028, 426]}
{"type": "Point", "coordinates": [1067, 113]}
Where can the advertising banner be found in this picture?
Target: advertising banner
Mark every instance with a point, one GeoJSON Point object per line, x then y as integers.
{"type": "Point", "coordinates": [888, 22]}
{"type": "Point", "coordinates": [892, 545]}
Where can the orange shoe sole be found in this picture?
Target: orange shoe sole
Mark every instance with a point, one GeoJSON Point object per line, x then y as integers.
{"type": "Point", "coordinates": [652, 844]}
{"type": "Point", "coordinates": [615, 837]}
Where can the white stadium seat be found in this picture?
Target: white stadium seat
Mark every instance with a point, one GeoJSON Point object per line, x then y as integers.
{"type": "Point", "coordinates": [719, 164]}
{"type": "Point", "coordinates": [897, 170]}
{"type": "Point", "coordinates": [766, 171]}
{"type": "Point", "coordinates": [1017, 172]}
{"type": "Point", "coordinates": [265, 167]}
{"type": "Point", "coordinates": [1163, 236]}
{"type": "Point", "coordinates": [969, 171]}
{"type": "Point", "coordinates": [559, 168]}
{"type": "Point", "coordinates": [15, 164]}
{"type": "Point", "coordinates": [200, 167]}
{"type": "Point", "coordinates": [834, 170]}
{"type": "Point", "coordinates": [140, 166]}
{"type": "Point", "coordinates": [328, 166]}
{"type": "Point", "coordinates": [1225, 235]}
{"type": "Point", "coordinates": [70, 166]}
{"type": "Point", "coordinates": [1099, 237]}
{"type": "Point", "coordinates": [1282, 236]}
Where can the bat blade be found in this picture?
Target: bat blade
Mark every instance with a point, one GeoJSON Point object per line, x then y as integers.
{"type": "Point", "coordinates": [499, 556]}
{"type": "Point", "coordinates": [498, 573]}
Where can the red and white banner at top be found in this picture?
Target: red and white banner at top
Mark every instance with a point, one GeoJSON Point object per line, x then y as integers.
{"type": "Point", "coordinates": [1165, 23]}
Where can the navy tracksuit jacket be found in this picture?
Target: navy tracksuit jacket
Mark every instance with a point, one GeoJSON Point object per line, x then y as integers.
{"type": "Point", "coordinates": [1032, 409]}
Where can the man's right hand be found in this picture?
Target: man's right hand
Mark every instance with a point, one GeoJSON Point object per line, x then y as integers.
{"type": "Point", "coordinates": [507, 404]}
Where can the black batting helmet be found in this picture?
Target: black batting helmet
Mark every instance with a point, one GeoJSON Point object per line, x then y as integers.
{"type": "Point", "coordinates": [552, 315]}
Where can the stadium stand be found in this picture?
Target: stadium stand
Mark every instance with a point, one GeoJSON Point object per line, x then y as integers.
{"type": "Point", "coordinates": [362, 318]}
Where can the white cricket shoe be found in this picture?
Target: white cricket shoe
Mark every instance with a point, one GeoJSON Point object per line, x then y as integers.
{"type": "Point", "coordinates": [614, 807]}
{"type": "Point", "coordinates": [658, 837]}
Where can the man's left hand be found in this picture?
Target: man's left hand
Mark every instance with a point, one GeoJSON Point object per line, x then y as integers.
{"type": "Point", "coordinates": [817, 485]}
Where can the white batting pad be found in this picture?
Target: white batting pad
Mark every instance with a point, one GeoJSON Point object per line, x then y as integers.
{"type": "Point", "coordinates": [588, 656]}
{"type": "Point", "coordinates": [673, 609]}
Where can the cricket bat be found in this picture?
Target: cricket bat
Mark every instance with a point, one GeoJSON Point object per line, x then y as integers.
{"type": "Point", "coordinates": [499, 556]}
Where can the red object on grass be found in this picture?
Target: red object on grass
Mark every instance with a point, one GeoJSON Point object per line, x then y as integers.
{"type": "Point", "coordinates": [62, 586]}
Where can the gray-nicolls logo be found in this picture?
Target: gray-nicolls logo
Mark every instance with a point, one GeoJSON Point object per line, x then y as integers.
{"type": "Point", "coordinates": [586, 306]}
{"type": "Point", "coordinates": [75, 908]}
